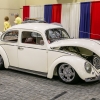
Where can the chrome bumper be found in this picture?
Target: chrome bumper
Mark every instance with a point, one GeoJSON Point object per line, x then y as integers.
{"type": "Point", "coordinates": [92, 79]}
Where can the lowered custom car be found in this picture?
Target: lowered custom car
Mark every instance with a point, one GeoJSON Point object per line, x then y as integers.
{"type": "Point", "coordinates": [47, 50]}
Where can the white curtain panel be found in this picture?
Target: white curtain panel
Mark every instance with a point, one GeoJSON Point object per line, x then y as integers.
{"type": "Point", "coordinates": [65, 16]}
{"type": "Point", "coordinates": [37, 12]}
{"type": "Point", "coordinates": [71, 18]}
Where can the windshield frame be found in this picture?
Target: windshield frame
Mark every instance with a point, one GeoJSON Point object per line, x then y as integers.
{"type": "Point", "coordinates": [56, 28]}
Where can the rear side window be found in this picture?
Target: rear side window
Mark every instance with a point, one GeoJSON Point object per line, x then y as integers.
{"type": "Point", "coordinates": [32, 38]}
{"type": "Point", "coordinates": [11, 36]}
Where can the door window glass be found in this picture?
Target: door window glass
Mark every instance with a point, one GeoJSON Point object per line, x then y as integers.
{"type": "Point", "coordinates": [32, 38]}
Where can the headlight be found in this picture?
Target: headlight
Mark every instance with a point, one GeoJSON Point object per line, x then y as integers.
{"type": "Point", "coordinates": [88, 67]}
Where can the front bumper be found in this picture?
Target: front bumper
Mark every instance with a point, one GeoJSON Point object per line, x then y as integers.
{"type": "Point", "coordinates": [92, 79]}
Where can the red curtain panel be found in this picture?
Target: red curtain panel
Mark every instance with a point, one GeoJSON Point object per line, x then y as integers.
{"type": "Point", "coordinates": [26, 12]}
{"type": "Point", "coordinates": [56, 13]}
{"type": "Point", "coordinates": [95, 20]}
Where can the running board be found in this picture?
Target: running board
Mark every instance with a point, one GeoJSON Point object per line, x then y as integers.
{"type": "Point", "coordinates": [28, 71]}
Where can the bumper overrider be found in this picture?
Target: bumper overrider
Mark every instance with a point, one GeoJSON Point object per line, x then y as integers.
{"type": "Point", "coordinates": [92, 79]}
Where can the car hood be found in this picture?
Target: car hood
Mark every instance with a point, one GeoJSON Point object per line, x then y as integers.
{"type": "Point", "coordinates": [90, 44]}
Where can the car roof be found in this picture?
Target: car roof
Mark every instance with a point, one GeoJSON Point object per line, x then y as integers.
{"type": "Point", "coordinates": [35, 26]}
{"type": "Point", "coordinates": [32, 20]}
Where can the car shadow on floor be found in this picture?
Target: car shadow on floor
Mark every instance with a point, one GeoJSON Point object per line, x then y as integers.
{"type": "Point", "coordinates": [55, 78]}
{"type": "Point", "coordinates": [81, 82]}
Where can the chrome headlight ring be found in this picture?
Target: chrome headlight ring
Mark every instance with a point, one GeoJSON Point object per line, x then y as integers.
{"type": "Point", "coordinates": [88, 67]}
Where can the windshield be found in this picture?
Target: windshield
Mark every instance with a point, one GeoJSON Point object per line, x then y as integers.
{"type": "Point", "coordinates": [56, 34]}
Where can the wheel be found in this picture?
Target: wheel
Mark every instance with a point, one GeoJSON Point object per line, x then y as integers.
{"type": "Point", "coordinates": [96, 61]}
{"type": "Point", "coordinates": [67, 74]}
{"type": "Point", "coordinates": [1, 63]}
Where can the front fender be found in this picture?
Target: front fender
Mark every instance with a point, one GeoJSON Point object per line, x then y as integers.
{"type": "Point", "coordinates": [76, 62]}
{"type": "Point", "coordinates": [4, 56]}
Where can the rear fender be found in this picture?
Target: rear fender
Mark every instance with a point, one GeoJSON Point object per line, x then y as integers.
{"type": "Point", "coordinates": [4, 56]}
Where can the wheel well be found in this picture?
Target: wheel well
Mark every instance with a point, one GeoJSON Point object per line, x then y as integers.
{"type": "Point", "coordinates": [1, 56]}
{"type": "Point", "coordinates": [2, 63]}
{"type": "Point", "coordinates": [55, 70]}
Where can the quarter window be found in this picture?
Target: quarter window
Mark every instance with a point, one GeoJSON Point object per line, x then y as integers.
{"type": "Point", "coordinates": [32, 38]}
{"type": "Point", "coordinates": [11, 36]}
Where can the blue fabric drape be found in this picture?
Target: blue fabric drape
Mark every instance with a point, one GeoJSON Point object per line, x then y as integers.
{"type": "Point", "coordinates": [84, 29]}
{"type": "Point", "coordinates": [48, 13]}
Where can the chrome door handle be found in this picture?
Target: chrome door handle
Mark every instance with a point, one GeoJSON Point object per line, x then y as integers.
{"type": "Point", "coordinates": [20, 48]}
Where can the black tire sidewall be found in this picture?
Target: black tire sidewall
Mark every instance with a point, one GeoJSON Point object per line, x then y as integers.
{"type": "Point", "coordinates": [2, 63]}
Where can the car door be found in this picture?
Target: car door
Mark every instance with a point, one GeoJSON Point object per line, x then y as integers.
{"type": "Point", "coordinates": [10, 46]}
{"type": "Point", "coordinates": [32, 54]}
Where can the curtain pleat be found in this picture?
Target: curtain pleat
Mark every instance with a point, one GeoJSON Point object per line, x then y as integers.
{"type": "Point", "coordinates": [26, 12]}
{"type": "Point", "coordinates": [48, 13]}
{"type": "Point", "coordinates": [70, 18]}
{"type": "Point", "coordinates": [74, 20]}
{"type": "Point", "coordinates": [37, 12]}
{"type": "Point", "coordinates": [56, 13]}
{"type": "Point", "coordinates": [84, 29]}
{"type": "Point", "coordinates": [65, 17]}
{"type": "Point", "coordinates": [95, 20]}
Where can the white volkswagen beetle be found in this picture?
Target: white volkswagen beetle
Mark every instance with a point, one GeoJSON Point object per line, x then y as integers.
{"type": "Point", "coordinates": [47, 50]}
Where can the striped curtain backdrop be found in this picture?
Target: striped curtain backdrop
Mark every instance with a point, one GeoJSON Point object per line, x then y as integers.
{"type": "Point", "coordinates": [26, 12]}
{"type": "Point", "coordinates": [47, 13]}
{"type": "Point", "coordinates": [84, 28]}
{"type": "Point", "coordinates": [70, 18]}
{"type": "Point", "coordinates": [81, 20]}
{"type": "Point", "coordinates": [56, 13]}
{"type": "Point", "coordinates": [95, 20]}
{"type": "Point", "coordinates": [37, 12]}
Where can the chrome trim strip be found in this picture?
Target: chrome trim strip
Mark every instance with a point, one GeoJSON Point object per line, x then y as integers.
{"type": "Point", "coordinates": [92, 79]}
{"type": "Point", "coordinates": [23, 46]}
{"type": "Point", "coordinates": [61, 51]}
{"type": "Point", "coordinates": [31, 47]}
{"type": "Point", "coordinates": [28, 71]}
{"type": "Point", "coordinates": [9, 44]}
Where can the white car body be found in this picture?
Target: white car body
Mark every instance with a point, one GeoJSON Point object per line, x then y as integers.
{"type": "Point", "coordinates": [42, 59]}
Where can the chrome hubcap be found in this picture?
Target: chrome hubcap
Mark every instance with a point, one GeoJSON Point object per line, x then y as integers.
{"type": "Point", "coordinates": [66, 72]}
